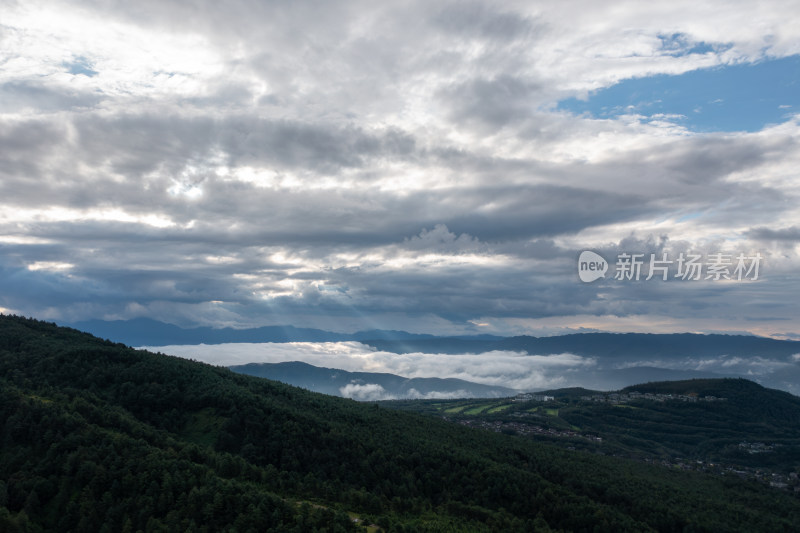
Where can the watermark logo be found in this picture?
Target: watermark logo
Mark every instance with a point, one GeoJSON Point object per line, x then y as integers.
{"type": "Point", "coordinates": [591, 266]}
{"type": "Point", "coordinates": [686, 267]}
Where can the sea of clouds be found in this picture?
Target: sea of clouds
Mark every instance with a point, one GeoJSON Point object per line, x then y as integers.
{"type": "Point", "coordinates": [515, 370]}
{"type": "Point", "coordinates": [498, 368]}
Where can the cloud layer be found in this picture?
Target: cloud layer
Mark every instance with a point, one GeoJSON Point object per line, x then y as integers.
{"type": "Point", "coordinates": [504, 369]}
{"type": "Point", "coordinates": [497, 368]}
{"type": "Point", "coordinates": [403, 165]}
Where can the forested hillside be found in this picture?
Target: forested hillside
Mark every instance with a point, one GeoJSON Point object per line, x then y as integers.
{"type": "Point", "coordinates": [99, 437]}
{"type": "Point", "coordinates": [719, 426]}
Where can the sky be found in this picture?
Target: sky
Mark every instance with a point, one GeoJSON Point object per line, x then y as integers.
{"type": "Point", "coordinates": [434, 167]}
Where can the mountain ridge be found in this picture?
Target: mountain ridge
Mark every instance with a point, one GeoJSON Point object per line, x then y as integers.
{"type": "Point", "coordinates": [149, 332]}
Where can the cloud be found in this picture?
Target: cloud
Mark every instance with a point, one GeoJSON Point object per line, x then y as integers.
{"type": "Point", "coordinates": [505, 369]}
{"type": "Point", "coordinates": [393, 164]}
{"type": "Point", "coordinates": [492, 103]}
{"type": "Point", "coordinates": [367, 392]}
{"type": "Point", "coordinates": [790, 234]}
{"type": "Point", "coordinates": [27, 95]}
{"type": "Point", "coordinates": [751, 366]}
{"type": "Point", "coordinates": [441, 239]}
{"type": "Point", "coordinates": [371, 392]}
{"type": "Point", "coordinates": [498, 368]}
{"type": "Point", "coordinates": [414, 394]}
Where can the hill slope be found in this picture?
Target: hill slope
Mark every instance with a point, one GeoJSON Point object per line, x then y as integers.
{"type": "Point", "coordinates": [728, 426]}
{"type": "Point", "coordinates": [100, 437]}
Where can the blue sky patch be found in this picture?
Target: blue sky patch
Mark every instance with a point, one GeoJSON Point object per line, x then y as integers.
{"type": "Point", "coordinates": [81, 65]}
{"type": "Point", "coordinates": [678, 44]}
{"type": "Point", "coordinates": [743, 97]}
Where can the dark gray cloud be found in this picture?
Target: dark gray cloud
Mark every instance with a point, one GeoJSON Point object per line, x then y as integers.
{"type": "Point", "coordinates": [28, 95]}
{"type": "Point", "coordinates": [790, 234]}
{"type": "Point", "coordinates": [355, 164]}
{"type": "Point", "coordinates": [481, 20]}
{"type": "Point", "coordinates": [492, 103]}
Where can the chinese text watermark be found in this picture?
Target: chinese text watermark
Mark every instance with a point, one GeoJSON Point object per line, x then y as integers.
{"type": "Point", "coordinates": [686, 266]}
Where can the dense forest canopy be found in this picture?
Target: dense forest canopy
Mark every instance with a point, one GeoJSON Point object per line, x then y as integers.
{"type": "Point", "coordinates": [97, 436]}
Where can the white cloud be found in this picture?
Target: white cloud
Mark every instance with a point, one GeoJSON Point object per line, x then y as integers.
{"type": "Point", "coordinates": [367, 392]}
{"type": "Point", "coordinates": [506, 369]}
{"type": "Point", "coordinates": [374, 392]}
{"type": "Point", "coordinates": [414, 394]}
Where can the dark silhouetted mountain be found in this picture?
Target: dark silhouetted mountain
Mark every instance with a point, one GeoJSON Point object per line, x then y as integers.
{"type": "Point", "coordinates": [751, 400]}
{"type": "Point", "coordinates": [387, 335]}
{"type": "Point", "coordinates": [361, 385]}
{"type": "Point", "coordinates": [617, 378]}
{"type": "Point", "coordinates": [144, 331]}
{"type": "Point", "coordinates": [605, 345]}
{"type": "Point", "coordinates": [147, 332]}
{"type": "Point", "coordinates": [569, 392]}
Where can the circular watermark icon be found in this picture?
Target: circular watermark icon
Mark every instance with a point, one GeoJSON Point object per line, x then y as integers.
{"type": "Point", "coordinates": [591, 266]}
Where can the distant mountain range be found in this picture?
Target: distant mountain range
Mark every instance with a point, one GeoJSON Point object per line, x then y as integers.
{"type": "Point", "coordinates": [369, 385]}
{"type": "Point", "coordinates": [617, 346]}
{"type": "Point", "coordinates": [148, 332]}
{"type": "Point", "coordinates": [619, 359]}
